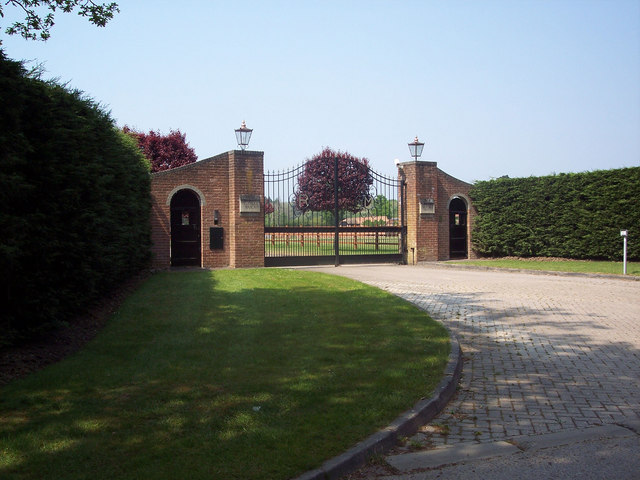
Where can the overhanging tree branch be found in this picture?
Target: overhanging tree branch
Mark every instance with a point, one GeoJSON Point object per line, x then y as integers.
{"type": "Point", "coordinates": [37, 25]}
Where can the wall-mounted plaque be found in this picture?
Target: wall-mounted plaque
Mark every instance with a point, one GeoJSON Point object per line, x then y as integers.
{"type": "Point", "coordinates": [249, 204]}
{"type": "Point", "coordinates": [427, 206]}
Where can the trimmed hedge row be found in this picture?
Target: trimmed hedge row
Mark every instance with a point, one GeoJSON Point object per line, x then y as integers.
{"type": "Point", "coordinates": [576, 215]}
{"type": "Point", "coordinates": [74, 203]}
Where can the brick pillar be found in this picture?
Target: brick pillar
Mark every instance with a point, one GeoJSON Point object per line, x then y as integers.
{"type": "Point", "coordinates": [246, 217]}
{"type": "Point", "coordinates": [421, 210]}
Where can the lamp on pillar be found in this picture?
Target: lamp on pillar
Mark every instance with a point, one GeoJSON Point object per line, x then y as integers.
{"type": "Point", "coordinates": [415, 148]}
{"type": "Point", "coordinates": [243, 135]}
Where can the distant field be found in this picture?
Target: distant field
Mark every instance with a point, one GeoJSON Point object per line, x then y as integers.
{"type": "Point", "coordinates": [322, 244]}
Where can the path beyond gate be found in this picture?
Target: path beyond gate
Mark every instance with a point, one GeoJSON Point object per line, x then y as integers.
{"type": "Point", "coordinates": [333, 211]}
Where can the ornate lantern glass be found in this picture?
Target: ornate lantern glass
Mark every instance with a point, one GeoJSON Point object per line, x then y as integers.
{"type": "Point", "coordinates": [415, 148]}
{"type": "Point", "coordinates": [243, 135]}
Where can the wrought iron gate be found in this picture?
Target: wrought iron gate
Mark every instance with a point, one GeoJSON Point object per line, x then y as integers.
{"type": "Point", "coordinates": [333, 213]}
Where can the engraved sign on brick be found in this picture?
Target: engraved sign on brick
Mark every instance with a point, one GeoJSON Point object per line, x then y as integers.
{"type": "Point", "coordinates": [427, 206]}
{"type": "Point", "coordinates": [249, 204]}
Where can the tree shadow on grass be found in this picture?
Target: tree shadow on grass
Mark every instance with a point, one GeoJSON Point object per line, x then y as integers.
{"type": "Point", "coordinates": [197, 378]}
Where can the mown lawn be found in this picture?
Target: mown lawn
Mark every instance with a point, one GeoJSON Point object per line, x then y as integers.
{"type": "Point", "coordinates": [231, 374]}
{"type": "Point", "coordinates": [576, 266]}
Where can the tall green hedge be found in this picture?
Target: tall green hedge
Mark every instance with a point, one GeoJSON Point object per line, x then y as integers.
{"type": "Point", "coordinates": [74, 203]}
{"type": "Point", "coordinates": [576, 215]}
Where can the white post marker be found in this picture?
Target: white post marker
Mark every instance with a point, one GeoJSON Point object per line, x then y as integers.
{"type": "Point", "coordinates": [624, 234]}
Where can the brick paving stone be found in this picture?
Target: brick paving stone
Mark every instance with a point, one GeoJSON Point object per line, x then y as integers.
{"type": "Point", "coordinates": [542, 353]}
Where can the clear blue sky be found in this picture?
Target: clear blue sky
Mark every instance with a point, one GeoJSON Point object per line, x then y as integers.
{"type": "Point", "coordinates": [493, 88]}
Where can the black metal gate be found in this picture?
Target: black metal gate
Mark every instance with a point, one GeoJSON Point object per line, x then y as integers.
{"type": "Point", "coordinates": [333, 211]}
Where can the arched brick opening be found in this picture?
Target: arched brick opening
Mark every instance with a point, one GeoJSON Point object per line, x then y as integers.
{"type": "Point", "coordinates": [219, 183]}
{"type": "Point", "coordinates": [458, 232]}
{"type": "Point", "coordinates": [186, 231]}
{"type": "Point", "coordinates": [186, 186]}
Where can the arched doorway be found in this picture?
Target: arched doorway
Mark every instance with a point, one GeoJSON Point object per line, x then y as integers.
{"type": "Point", "coordinates": [185, 229]}
{"type": "Point", "coordinates": [457, 228]}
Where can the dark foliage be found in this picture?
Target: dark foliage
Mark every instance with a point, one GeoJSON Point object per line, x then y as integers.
{"type": "Point", "coordinates": [164, 151]}
{"type": "Point", "coordinates": [569, 215]}
{"type": "Point", "coordinates": [316, 182]}
{"type": "Point", "coordinates": [74, 203]}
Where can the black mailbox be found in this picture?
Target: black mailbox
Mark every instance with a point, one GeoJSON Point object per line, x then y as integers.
{"type": "Point", "coordinates": [216, 238]}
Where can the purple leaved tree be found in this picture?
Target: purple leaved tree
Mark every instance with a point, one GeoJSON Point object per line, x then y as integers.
{"type": "Point", "coordinates": [316, 190]}
{"type": "Point", "coordinates": [164, 151]}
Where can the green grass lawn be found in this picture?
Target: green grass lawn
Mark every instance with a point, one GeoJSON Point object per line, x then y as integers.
{"type": "Point", "coordinates": [230, 374]}
{"type": "Point", "coordinates": [578, 266]}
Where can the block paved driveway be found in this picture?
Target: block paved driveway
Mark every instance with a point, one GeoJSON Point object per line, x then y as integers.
{"type": "Point", "coordinates": [542, 353]}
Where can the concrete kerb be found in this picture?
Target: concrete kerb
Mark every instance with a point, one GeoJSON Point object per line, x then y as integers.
{"type": "Point", "coordinates": [405, 425]}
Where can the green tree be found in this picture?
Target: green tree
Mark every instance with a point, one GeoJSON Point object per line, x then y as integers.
{"type": "Point", "coordinates": [74, 204]}
{"type": "Point", "coordinates": [39, 15]}
{"type": "Point", "coordinates": [382, 206]}
{"type": "Point", "coordinates": [576, 215]}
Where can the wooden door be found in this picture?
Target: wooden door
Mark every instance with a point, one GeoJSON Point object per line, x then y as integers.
{"type": "Point", "coordinates": [185, 229]}
{"type": "Point", "coordinates": [457, 229]}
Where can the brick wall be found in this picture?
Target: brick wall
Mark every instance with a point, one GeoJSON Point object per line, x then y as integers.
{"type": "Point", "coordinates": [218, 181]}
{"type": "Point", "coordinates": [428, 233]}
{"type": "Point", "coordinates": [246, 229]}
{"type": "Point", "coordinates": [450, 188]}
